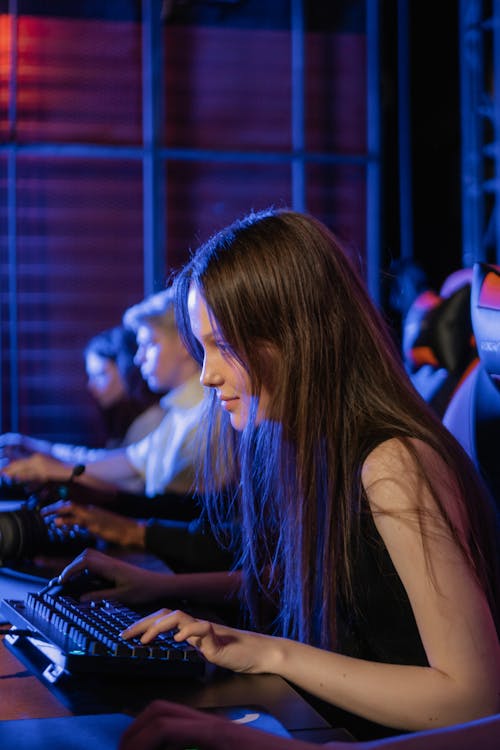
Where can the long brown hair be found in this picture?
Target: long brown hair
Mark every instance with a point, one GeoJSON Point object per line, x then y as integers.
{"type": "Point", "coordinates": [293, 309]}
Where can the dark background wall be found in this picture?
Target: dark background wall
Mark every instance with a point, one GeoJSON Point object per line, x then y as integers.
{"type": "Point", "coordinates": [435, 123]}
{"type": "Point", "coordinates": [71, 259]}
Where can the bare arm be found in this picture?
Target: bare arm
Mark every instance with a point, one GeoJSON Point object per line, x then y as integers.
{"type": "Point", "coordinates": [462, 681]}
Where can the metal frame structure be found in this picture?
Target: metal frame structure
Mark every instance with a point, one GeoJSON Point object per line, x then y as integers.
{"type": "Point", "coordinates": [479, 32]}
{"type": "Point", "coordinates": [154, 157]}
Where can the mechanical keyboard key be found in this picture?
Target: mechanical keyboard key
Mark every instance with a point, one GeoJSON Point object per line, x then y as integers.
{"type": "Point", "coordinates": [85, 637]}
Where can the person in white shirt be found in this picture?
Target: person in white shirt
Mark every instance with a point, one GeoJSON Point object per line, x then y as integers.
{"type": "Point", "coordinates": [164, 460]}
{"type": "Point", "coordinates": [129, 409]}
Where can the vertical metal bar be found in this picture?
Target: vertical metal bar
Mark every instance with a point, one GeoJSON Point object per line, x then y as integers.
{"type": "Point", "coordinates": [297, 32]}
{"type": "Point", "coordinates": [404, 132]}
{"type": "Point", "coordinates": [471, 85]}
{"type": "Point", "coordinates": [373, 148]}
{"type": "Point", "coordinates": [12, 225]}
{"type": "Point", "coordinates": [496, 94]}
{"type": "Point", "coordinates": [12, 290]}
{"type": "Point", "coordinates": [154, 208]}
{"type": "Point", "coordinates": [11, 113]}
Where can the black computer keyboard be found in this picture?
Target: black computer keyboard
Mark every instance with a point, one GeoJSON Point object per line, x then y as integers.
{"type": "Point", "coordinates": [85, 637]}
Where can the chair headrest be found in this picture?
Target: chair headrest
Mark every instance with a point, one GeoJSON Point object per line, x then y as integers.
{"type": "Point", "coordinates": [455, 281]}
{"type": "Point", "coordinates": [485, 311]}
{"type": "Point", "coordinates": [438, 331]}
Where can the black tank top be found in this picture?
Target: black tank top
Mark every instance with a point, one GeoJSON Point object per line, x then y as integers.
{"type": "Point", "coordinates": [379, 625]}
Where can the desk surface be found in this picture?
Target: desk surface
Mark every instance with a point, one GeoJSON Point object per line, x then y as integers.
{"type": "Point", "coordinates": [25, 694]}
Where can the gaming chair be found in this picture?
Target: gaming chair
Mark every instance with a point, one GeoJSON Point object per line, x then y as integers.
{"type": "Point", "coordinates": [473, 414]}
{"type": "Point", "coordinates": [438, 344]}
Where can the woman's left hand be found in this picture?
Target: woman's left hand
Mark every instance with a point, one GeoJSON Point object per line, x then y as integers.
{"type": "Point", "coordinates": [238, 650]}
{"type": "Point", "coordinates": [164, 724]}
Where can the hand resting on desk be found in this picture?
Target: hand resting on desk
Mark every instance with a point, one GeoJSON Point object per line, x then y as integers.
{"type": "Point", "coordinates": [164, 724]}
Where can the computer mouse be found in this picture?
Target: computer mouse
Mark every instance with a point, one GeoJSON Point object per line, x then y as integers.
{"type": "Point", "coordinates": [80, 583]}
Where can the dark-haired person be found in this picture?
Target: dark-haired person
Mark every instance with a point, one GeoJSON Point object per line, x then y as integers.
{"type": "Point", "coordinates": [129, 409]}
{"type": "Point", "coordinates": [368, 541]}
{"type": "Point", "coordinates": [162, 515]}
{"type": "Point", "coordinates": [164, 458]}
{"type": "Point", "coordinates": [163, 463]}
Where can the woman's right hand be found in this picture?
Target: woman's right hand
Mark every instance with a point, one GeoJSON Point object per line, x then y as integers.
{"type": "Point", "coordinates": [132, 585]}
{"type": "Point", "coordinates": [231, 648]}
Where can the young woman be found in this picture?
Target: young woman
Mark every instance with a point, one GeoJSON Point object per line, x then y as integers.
{"type": "Point", "coordinates": [364, 527]}
{"type": "Point", "coordinates": [162, 460]}
{"type": "Point", "coordinates": [130, 410]}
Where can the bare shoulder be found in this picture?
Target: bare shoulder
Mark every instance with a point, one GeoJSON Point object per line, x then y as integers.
{"type": "Point", "coordinates": [400, 474]}
{"type": "Point", "coordinates": [396, 455]}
